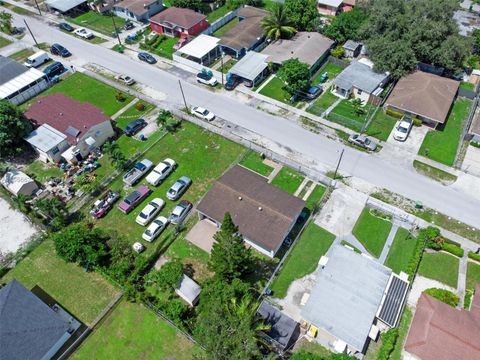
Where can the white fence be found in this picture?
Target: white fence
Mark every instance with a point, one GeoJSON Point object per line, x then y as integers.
{"type": "Point", "coordinates": [220, 22]}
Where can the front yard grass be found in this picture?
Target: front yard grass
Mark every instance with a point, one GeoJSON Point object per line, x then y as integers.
{"type": "Point", "coordinates": [21, 55]}
{"type": "Point", "coordinates": [303, 259]}
{"type": "Point", "coordinates": [164, 48]}
{"type": "Point", "coordinates": [372, 232]}
{"type": "Point", "coordinates": [315, 197]}
{"type": "Point", "coordinates": [17, 9]}
{"type": "Point", "coordinates": [288, 180]}
{"type": "Point", "coordinates": [433, 172]}
{"type": "Point", "coordinates": [4, 42]}
{"type": "Point", "coordinates": [84, 294]}
{"type": "Point", "coordinates": [227, 27]}
{"type": "Point", "coordinates": [325, 100]}
{"type": "Point", "coordinates": [381, 126]}
{"type": "Point", "coordinates": [473, 275]}
{"type": "Point", "coordinates": [441, 267]}
{"type": "Point", "coordinates": [87, 89]}
{"type": "Point", "coordinates": [227, 65]}
{"type": "Point", "coordinates": [98, 22]}
{"type": "Point", "coordinates": [441, 144]}
{"type": "Point", "coordinates": [402, 250]}
{"type": "Point", "coordinates": [136, 333]}
{"type": "Point", "coordinates": [274, 89]}
{"type": "Point", "coordinates": [344, 114]}
{"type": "Point", "coordinates": [253, 161]}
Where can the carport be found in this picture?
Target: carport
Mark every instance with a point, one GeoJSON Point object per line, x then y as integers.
{"type": "Point", "coordinates": [252, 68]}
{"type": "Point", "coordinates": [202, 50]}
{"type": "Point", "coordinates": [202, 233]}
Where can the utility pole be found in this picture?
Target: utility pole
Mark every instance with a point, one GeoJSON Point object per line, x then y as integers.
{"type": "Point", "coordinates": [338, 164]}
{"type": "Point", "coordinates": [115, 27]}
{"type": "Point", "coordinates": [38, 8]}
{"type": "Point", "coordinates": [28, 27]}
{"type": "Point", "coordinates": [221, 57]}
{"type": "Point", "coordinates": [183, 96]}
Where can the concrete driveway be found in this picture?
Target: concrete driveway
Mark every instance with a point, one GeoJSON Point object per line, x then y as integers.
{"type": "Point", "coordinates": [471, 162]}
{"type": "Point", "coordinates": [201, 235]}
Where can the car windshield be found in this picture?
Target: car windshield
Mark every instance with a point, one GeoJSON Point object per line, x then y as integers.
{"type": "Point", "coordinates": [148, 232]}
{"type": "Point", "coordinates": [402, 129]}
{"type": "Point", "coordinates": [158, 222]}
{"type": "Point", "coordinates": [205, 112]}
{"type": "Point", "coordinates": [143, 215]}
{"type": "Point", "coordinates": [367, 142]}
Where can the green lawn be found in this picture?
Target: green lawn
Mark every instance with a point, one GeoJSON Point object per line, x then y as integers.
{"type": "Point", "coordinates": [42, 172]}
{"type": "Point", "coordinates": [467, 86]}
{"type": "Point", "coordinates": [288, 180]}
{"type": "Point", "coordinates": [322, 103]}
{"type": "Point", "coordinates": [315, 196]}
{"type": "Point", "coordinates": [441, 144]}
{"type": "Point", "coordinates": [98, 22]}
{"type": "Point", "coordinates": [372, 232]}
{"type": "Point", "coordinates": [274, 90]}
{"type": "Point", "coordinates": [200, 155]}
{"type": "Point", "coordinates": [402, 250]}
{"type": "Point", "coordinates": [132, 114]}
{"type": "Point", "coordinates": [433, 172]}
{"type": "Point", "coordinates": [345, 115]}
{"type": "Point", "coordinates": [473, 275]}
{"type": "Point", "coordinates": [381, 126]}
{"type": "Point", "coordinates": [84, 294]}
{"type": "Point", "coordinates": [21, 55]}
{"type": "Point", "coordinates": [165, 48]}
{"type": "Point", "coordinates": [440, 266]}
{"type": "Point", "coordinates": [227, 27]}
{"type": "Point", "coordinates": [253, 161]}
{"type": "Point", "coordinates": [303, 259]}
{"type": "Point", "coordinates": [136, 333]}
{"type": "Point", "coordinates": [332, 70]}
{"type": "Point", "coordinates": [227, 65]}
{"type": "Point", "coordinates": [4, 42]}
{"type": "Point", "coordinates": [87, 89]}
{"type": "Point", "coordinates": [217, 14]}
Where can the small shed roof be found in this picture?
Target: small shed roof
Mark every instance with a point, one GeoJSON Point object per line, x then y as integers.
{"type": "Point", "coordinates": [333, 3]}
{"type": "Point", "coordinates": [200, 46]}
{"type": "Point", "coordinates": [282, 326]}
{"type": "Point", "coordinates": [64, 5]}
{"type": "Point", "coordinates": [351, 45]}
{"type": "Point", "coordinates": [45, 138]}
{"type": "Point", "coordinates": [14, 180]}
{"type": "Point", "coordinates": [360, 76]}
{"type": "Point", "coordinates": [188, 290]}
{"type": "Point", "coordinates": [250, 66]}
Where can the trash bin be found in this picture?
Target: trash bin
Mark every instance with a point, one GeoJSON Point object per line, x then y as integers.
{"type": "Point", "coordinates": [418, 205]}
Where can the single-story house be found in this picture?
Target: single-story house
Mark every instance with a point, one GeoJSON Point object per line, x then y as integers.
{"type": "Point", "coordinates": [188, 290]}
{"type": "Point", "coordinates": [83, 125]}
{"type": "Point", "coordinates": [329, 7]}
{"type": "Point", "coordinates": [252, 68]}
{"type": "Point", "coordinates": [354, 297]}
{"type": "Point", "coordinates": [202, 50]}
{"type": "Point", "coordinates": [48, 142]}
{"type": "Point", "coordinates": [179, 22]}
{"type": "Point", "coordinates": [283, 328]}
{"type": "Point", "coordinates": [31, 329]}
{"type": "Point", "coordinates": [67, 6]}
{"type": "Point", "coordinates": [425, 96]}
{"type": "Point", "coordinates": [137, 10]}
{"type": "Point", "coordinates": [467, 22]}
{"type": "Point", "coordinates": [360, 81]}
{"type": "Point", "coordinates": [441, 332]}
{"type": "Point", "coordinates": [19, 183]}
{"type": "Point", "coordinates": [352, 49]}
{"type": "Point", "coordinates": [311, 48]}
{"type": "Point", "coordinates": [264, 214]}
{"type": "Point", "coordinates": [247, 35]}
{"type": "Point", "coordinates": [19, 83]}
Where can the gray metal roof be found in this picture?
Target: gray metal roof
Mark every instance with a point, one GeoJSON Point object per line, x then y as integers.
{"type": "Point", "coordinates": [392, 305]}
{"type": "Point", "coordinates": [188, 289]}
{"type": "Point", "coordinates": [45, 137]}
{"type": "Point", "coordinates": [347, 295]}
{"type": "Point", "coordinates": [360, 76]}
{"type": "Point", "coordinates": [283, 326]}
{"type": "Point", "coordinates": [250, 66]}
{"type": "Point", "coordinates": [351, 45]}
{"type": "Point", "coordinates": [64, 5]}
{"type": "Point", "coordinates": [28, 327]}
{"type": "Point", "coordinates": [10, 69]}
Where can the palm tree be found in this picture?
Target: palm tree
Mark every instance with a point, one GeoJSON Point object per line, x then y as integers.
{"type": "Point", "coordinates": [277, 25]}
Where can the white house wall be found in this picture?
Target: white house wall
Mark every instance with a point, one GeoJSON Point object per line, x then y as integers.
{"type": "Point", "coordinates": [100, 132]}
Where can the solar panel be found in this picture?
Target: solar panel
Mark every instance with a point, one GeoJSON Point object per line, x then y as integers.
{"type": "Point", "coordinates": [392, 305]}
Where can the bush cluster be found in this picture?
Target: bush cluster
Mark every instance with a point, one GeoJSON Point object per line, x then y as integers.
{"type": "Point", "coordinates": [474, 256]}
{"type": "Point", "coordinates": [389, 339]}
{"type": "Point", "coordinates": [394, 113]}
{"type": "Point", "coordinates": [443, 295]}
{"type": "Point", "coordinates": [453, 249]}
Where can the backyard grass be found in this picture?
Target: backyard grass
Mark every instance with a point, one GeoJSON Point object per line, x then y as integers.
{"type": "Point", "coordinates": [433, 172]}
{"type": "Point", "coordinates": [322, 103]}
{"type": "Point", "coordinates": [441, 144]}
{"type": "Point", "coordinates": [288, 180]}
{"type": "Point", "coordinates": [132, 114]}
{"type": "Point", "coordinates": [332, 69]}
{"type": "Point", "coordinates": [441, 267]}
{"type": "Point", "coordinates": [467, 86]}
{"type": "Point", "coordinates": [315, 197]}
{"type": "Point", "coordinates": [136, 333]}
{"type": "Point", "coordinates": [87, 89]}
{"type": "Point", "coordinates": [274, 89]}
{"type": "Point", "coordinates": [84, 294]}
{"type": "Point", "coordinates": [303, 259]}
{"type": "Point", "coordinates": [402, 250]}
{"type": "Point", "coordinates": [217, 14]}
{"type": "Point", "coordinates": [253, 161]}
{"type": "Point", "coordinates": [4, 42]}
{"type": "Point", "coordinates": [372, 232]}
{"type": "Point", "coordinates": [227, 27]}
{"type": "Point", "coordinates": [473, 275]}
{"type": "Point", "coordinates": [344, 114]}
{"type": "Point", "coordinates": [403, 327]}
{"type": "Point", "coordinates": [21, 55]}
{"type": "Point", "coordinates": [98, 22]}
{"type": "Point", "coordinates": [381, 126]}
{"type": "Point", "coordinates": [42, 172]}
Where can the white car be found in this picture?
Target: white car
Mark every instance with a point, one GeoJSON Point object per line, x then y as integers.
{"type": "Point", "coordinates": [149, 211]}
{"type": "Point", "coordinates": [403, 129]}
{"type": "Point", "coordinates": [84, 33]}
{"type": "Point", "coordinates": [161, 172]}
{"type": "Point", "coordinates": [138, 247]}
{"type": "Point", "coordinates": [203, 113]}
{"type": "Point", "coordinates": [155, 228]}
{"type": "Point", "coordinates": [127, 80]}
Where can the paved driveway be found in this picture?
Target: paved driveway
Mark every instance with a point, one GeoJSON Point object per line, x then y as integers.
{"type": "Point", "coordinates": [201, 235]}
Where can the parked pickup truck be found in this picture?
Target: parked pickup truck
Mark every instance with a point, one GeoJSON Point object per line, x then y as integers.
{"type": "Point", "coordinates": [131, 201]}
{"type": "Point", "coordinates": [104, 204]}
{"type": "Point", "coordinates": [137, 172]}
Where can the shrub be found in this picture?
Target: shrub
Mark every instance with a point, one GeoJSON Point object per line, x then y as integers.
{"type": "Point", "coordinates": [120, 97]}
{"type": "Point", "coordinates": [474, 256]}
{"type": "Point", "coordinates": [453, 249]}
{"type": "Point", "coordinates": [394, 113]}
{"type": "Point", "coordinates": [475, 144]}
{"type": "Point", "coordinates": [389, 339]}
{"type": "Point", "coordinates": [445, 296]}
{"type": "Point", "coordinates": [468, 298]}
{"type": "Point", "coordinates": [417, 255]}
{"type": "Point", "coordinates": [417, 122]}
{"type": "Point", "coordinates": [338, 51]}
{"type": "Point", "coordinates": [433, 238]}
{"type": "Point", "coordinates": [140, 106]}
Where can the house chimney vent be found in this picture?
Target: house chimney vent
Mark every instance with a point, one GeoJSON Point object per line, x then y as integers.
{"type": "Point", "coordinates": [240, 198]}
{"type": "Point", "coordinates": [260, 208]}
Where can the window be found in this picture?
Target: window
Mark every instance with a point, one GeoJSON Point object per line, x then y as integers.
{"type": "Point", "coordinates": [55, 150]}
{"type": "Point", "coordinates": [359, 92]}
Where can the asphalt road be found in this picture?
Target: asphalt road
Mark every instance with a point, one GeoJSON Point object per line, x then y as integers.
{"type": "Point", "coordinates": [451, 201]}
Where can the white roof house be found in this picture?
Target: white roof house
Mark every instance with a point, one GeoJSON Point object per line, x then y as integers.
{"type": "Point", "coordinates": [251, 66]}
{"type": "Point", "coordinates": [18, 183]}
{"type": "Point", "coordinates": [188, 290]}
{"type": "Point", "coordinates": [200, 46]}
{"type": "Point", "coordinates": [64, 5]}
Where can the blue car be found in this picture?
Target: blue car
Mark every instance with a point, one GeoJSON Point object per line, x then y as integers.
{"type": "Point", "coordinates": [147, 58]}
{"type": "Point", "coordinates": [134, 127]}
{"type": "Point", "coordinates": [65, 26]}
{"type": "Point", "coordinates": [58, 49]}
{"type": "Point", "coordinates": [54, 69]}
{"type": "Point", "coordinates": [313, 92]}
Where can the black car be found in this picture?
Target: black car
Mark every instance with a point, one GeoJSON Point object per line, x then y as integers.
{"type": "Point", "coordinates": [65, 26]}
{"type": "Point", "coordinates": [147, 58]}
{"type": "Point", "coordinates": [54, 69]}
{"type": "Point", "coordinates": [134, 127]}
{"type": "Point", "coordinates": [58, 49]}
{"type": "Point", "coordinates": [232, 83]}
{"type": "Point", "coordinates": [128, 25]}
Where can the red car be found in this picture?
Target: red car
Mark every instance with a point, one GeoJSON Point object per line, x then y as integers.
{"type": "Point", "coordinates": [131, 201]}
{"type": "Point", "coordinates": [104, 204]}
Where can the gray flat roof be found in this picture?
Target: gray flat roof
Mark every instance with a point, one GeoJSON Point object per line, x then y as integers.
{"type": "Point", "coordinates": [10, 69]}
{"type": "Point", "coordinates": [45, 137]}
{"type": "Point", "coordinates": [283, 326]}
{"type": "Point", "coordinates": [188, 289]}
{"type": "Point", "coordinates": [351, 45]}
{"type": "Point", "coordinates": [360, 76]}
{"type": "Point", "coordinates": [250, 66]}
{"type": "Point", "coordinates": [64, 5]}
{"type": "Point", "coordinates": [346, 296]}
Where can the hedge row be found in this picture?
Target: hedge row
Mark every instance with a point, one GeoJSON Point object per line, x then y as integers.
{"type": "Point", "coordinates": [389, 339]}
{"type": "Point", "coordinates": [453, 249]}
{"type": "Point", "coordinates": [474, 256]}
{"type": "Point", "coordinates": [443, 295]}
{"type": "Point", "coordinates": [417, 255]}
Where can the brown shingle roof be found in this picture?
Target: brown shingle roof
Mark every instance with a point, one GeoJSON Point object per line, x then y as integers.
{"type": "Point", "coordinates": [247, 31]}
{"type": "Point", "coordinates": [441, 332]}
{"type": "Point", "coordinates": [184, 18]}
{"type": "Point", "coordinates": [243, 193]}
{"type": "Point", "coordinates": [135, 6]}
{"type": "Point", "coordinates": [61, 112]}
{"type": "Point", "coordinates": [424, 94]}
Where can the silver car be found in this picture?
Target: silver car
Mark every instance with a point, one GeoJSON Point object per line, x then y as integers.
{"type": "Point", "coordinates": [179, 188]}
{"type": "Point", "coordinates": [180, 212]}
{"type": "Point", "coordinates": [362, 141]}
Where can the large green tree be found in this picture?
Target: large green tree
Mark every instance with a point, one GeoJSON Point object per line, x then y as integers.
{"type": "Point", "coordinates": [277, 26]}
{"type": "Point", "coordinates": [169, 275]}
{"type": "Point", "coordinates": [295, 75]}
{"type": "Point", "coordinates": [54, 210]}
{"type": "Point", "coordinates": [302, 14]}
{"type": "Point", "coordinates": [121, 261]}
{"type": "Point", "coordinates": [399, 34]}
{"type": "Point", "coordinates": [6, 22]}
{"type": "Point", "coordinates": [229, 258]}
{"type": "Point", "coordinates": [346, 25]}
{"type": "Point", "coordinates": [14, 126]}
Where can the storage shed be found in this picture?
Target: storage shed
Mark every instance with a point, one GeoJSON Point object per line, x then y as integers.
{"type": "Point", "coordinates": [19, 183]}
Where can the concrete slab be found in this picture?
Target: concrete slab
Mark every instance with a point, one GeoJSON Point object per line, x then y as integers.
{"type": "Point", "coordinates": [201, 235]}
{"type": "Point", "coordinates": [471, 162]}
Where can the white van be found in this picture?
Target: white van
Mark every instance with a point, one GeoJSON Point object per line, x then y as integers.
{"type": "Point", "coordinates": [37, 59]}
